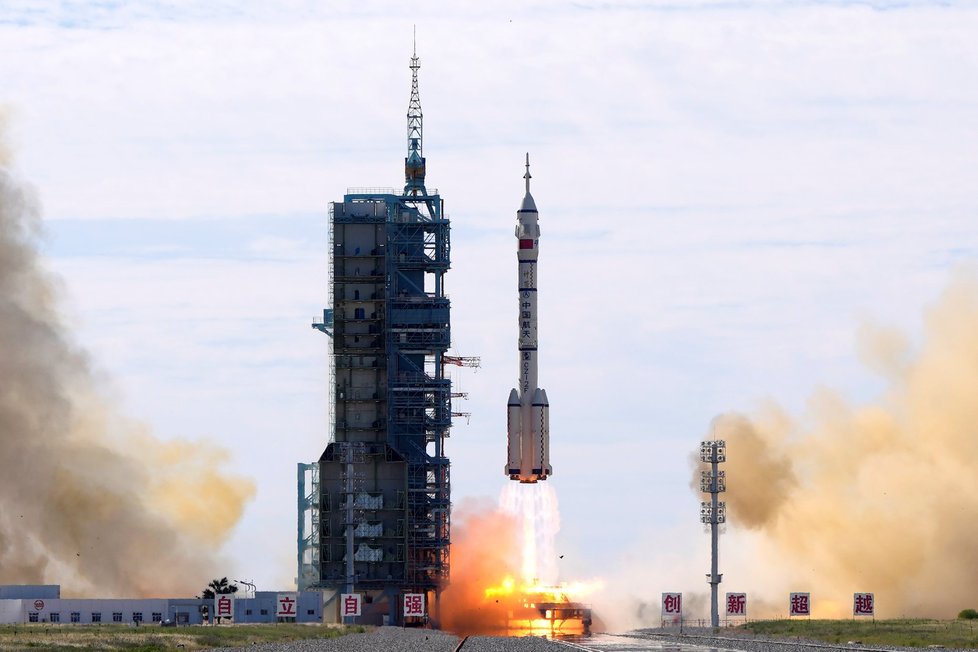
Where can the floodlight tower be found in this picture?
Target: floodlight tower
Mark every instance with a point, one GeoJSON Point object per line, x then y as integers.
{"type": "Point", "coordinates": [713, 481]}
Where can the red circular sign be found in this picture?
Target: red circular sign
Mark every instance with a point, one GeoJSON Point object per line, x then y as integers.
{"type": "Point", "coordinates": [39, 604]}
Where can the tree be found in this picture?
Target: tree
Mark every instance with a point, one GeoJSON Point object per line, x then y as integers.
{"type": "Point", "coordinates": [218, 587]}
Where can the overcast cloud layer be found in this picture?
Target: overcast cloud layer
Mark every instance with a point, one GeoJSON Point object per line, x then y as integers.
{"type": "Point", "coordinates": [727, 191]}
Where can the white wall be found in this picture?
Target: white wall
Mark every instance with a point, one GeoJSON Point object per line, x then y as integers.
{"type": "Point", "coordinates": [11, 612]}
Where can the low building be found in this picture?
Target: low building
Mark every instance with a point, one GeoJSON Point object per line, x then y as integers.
{"type": "Point", "coordinates": [24, 604]}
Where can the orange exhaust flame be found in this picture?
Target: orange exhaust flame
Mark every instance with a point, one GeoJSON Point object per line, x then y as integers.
{"type": "Point", "coordinates": [485, 597]}
{"type": "Point", "coordinates": [542, 593]}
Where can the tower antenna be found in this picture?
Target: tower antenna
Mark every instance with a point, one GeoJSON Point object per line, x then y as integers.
{"type": "Point", "coordinates": [414, 163]}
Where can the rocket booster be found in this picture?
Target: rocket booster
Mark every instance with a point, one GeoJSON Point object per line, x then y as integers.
{"type": "Point", "coordinates": [528, 410]}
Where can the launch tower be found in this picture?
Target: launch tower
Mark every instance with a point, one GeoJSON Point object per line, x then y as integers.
{"type": "Point", "coordinates": [374, 510]}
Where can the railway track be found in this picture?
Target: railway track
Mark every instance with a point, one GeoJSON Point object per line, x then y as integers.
{"type": "Point", "coordinates": [621, 643]}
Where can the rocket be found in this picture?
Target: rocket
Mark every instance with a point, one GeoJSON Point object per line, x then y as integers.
{"type": "Point", "coordinates": [528, 410]}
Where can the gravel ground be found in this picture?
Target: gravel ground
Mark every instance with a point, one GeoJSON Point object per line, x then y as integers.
{"type": "Point", "coordinates": [734, 639]}
{"type": "Point", "coordinates": [511, 644]}
{"type": "Point", "coordinates": [396, 639]}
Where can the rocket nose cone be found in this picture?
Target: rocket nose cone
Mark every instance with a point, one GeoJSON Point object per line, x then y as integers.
{"type": "Point", "coordinates": [539, 397]}
{"type": "Point", "coordinates": [546, 401]}
{"type": "Point", "coordinates": [514, 397]}
{"type": "Point", "coordinates": [528, 203]}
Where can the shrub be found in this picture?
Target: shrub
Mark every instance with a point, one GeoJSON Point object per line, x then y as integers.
{"type": "Point", "coordinates": [968, 614]}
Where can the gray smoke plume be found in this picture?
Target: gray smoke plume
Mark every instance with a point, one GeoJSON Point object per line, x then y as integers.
{"type": "Point", "coordinates": [89, 499]}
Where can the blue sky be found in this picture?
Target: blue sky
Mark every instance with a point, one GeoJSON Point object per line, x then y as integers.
{"type": "Point", "coordinates": [727, 191]}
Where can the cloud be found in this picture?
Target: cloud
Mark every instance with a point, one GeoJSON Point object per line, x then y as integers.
{"type": "Point", "coordinates": [717, 186]}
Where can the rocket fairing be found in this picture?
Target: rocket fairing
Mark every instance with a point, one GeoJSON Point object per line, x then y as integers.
{"type": "Point", "coordinates": [528, 410]}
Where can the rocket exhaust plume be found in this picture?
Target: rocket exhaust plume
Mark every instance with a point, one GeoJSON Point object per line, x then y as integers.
{"type": "Point", "coordinates": [89, 499]}
{"type": "Point", "coordinates": [878, 497]}
{"type": "Point", "coordinates": [504, 570]}
{"type": "Point", "coordinates": [533, 507]}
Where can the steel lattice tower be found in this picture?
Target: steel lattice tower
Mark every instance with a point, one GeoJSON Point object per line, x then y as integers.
{"type": "Point", "coordinates": [383, 480]}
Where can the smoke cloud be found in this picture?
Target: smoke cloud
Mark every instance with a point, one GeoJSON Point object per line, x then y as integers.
{"type": "Point", "coordinates": [89, 499]}
{"type": "Point", "coordinates": [485, 551]}
{"type": "Point", "coordinates": [878, 497]}
{"type": "Point", "coordinates": [504, 566]}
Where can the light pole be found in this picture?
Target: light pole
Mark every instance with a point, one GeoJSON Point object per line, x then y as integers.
{"type": "Point", "coordinates": [713, 481]}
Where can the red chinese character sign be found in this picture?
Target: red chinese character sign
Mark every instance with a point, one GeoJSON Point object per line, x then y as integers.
{"type": "Point", "coordinates": [863, 604]}
{"type": "Point", "coordinates": [224, 606]}
{"type": "Point", "coordinates": [285, 605]}
{"type": "Point", "coordinates": [672, 607]}
{"type": "Point", "coordinates": [413, 605]}
{"type": "Point", "coordinates": [737, 604]}
{"type": "Point", "coordinates": [349, 605]}
{"type": "Point", "coordinates": [800, 604]}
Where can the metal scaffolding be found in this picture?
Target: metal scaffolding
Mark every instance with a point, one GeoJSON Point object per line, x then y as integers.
{"type": "Point", "coordinates": [308, 525]}
{"type": "Point", "coordinates": [376, 518]}
{"type": "Point", "coordinates": [419, 410]}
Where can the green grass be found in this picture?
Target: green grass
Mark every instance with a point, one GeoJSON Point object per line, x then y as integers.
{"type": "Point", "coordinates": [905, 632]}
{"type": "Point", "coordinates": [151, 638]}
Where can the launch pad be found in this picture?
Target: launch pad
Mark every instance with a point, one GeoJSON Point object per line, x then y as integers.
{"type": "Point", "coordinates": [538, 610]}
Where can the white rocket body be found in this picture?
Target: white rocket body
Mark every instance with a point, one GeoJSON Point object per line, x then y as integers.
{"type": "Point", "coordinates": [528, 410]}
